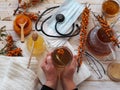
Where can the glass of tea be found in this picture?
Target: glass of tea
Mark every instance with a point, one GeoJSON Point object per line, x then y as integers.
{"type": "Point", "coordinates": [62, 56]}
{"type": "Point", "coordinates": [99, 44]}
{"type": "Point", "coordinates": [39, 45]}
{"type": "Point", "coordinates": [110, 8]}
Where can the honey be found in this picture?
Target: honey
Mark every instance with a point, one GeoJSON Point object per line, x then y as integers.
{"type": "Point", "coordinates": [110, 8]}
{"type": "Point", "coordinates": [28, 26]}
{"type": "Point", "coordinates": [39, 45]}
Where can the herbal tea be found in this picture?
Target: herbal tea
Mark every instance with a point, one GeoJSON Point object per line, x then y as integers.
{"type": "Point", "coordinates": [110, 8]}
{"type": "Point", "coordinates": [61, 56]}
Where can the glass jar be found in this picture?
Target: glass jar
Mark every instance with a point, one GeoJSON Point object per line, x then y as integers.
{"type": "Point", "coordinates": [110, 8]}
{"type": "Point", "coordinates": [99, 44]}
{"type": "Point", "coordinates": [39, 45]}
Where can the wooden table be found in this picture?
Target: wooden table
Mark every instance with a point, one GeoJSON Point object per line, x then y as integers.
{"type": "Point", "coordinates": [93, 83]}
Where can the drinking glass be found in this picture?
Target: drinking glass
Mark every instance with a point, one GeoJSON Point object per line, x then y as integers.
{"type": "Point", "coordinates": [110, 8]}
{"type": "Point", "coordinates": [62, 56]}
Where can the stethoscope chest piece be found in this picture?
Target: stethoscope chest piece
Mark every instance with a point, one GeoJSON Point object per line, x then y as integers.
{"type": "Point", "coordinates": [60, 17]}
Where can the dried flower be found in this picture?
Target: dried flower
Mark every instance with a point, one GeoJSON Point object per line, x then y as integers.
{"type": "Point", "coordinates": [60, 51]}
{"type": "Point", "coordinates": [108, 30]}
{"type": "Point", "coordinates": [10, 49]}
{"type": "Point", "coordinates": [83, 35]}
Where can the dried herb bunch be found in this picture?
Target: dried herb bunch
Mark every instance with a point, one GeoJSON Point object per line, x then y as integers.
{"type": "Point", "coordinates": [3, 33]}
{"type": "Point", "coordinates": [108, 30]}
{"type": "Point", "coordinates": [10, 48]}
{"type": "Point", "coordinates": [23, 6]}
{"type": "Point", "coordinates": [83, 35]}
{"type": "Point", "coordinates": [28, 3]}
{"type": "Point", "coordinates": [31, 15]}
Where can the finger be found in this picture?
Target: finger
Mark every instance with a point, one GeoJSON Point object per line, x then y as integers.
{"type": "Point", "coordinates": [44, 62]}
{"type": "Point", "coordinates": [49, 60]}
{"type": "Point", "coordinates": [49, 53]}
{"type": "Point", "coordinates": [43, 67]}
{"type": "Point", "coordinates": [74, 61]}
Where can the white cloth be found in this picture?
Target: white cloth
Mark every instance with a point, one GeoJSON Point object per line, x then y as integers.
{"type": "Point", "coordinates": [14, 74]}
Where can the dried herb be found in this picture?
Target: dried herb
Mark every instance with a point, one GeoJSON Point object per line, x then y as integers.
{"type": "Point", "coordinates": [25, 4]}
{"type": "Point", "coordinates": [83, 35]}
{"type": "Point", "coordinates": [108, 30]}
{"type": "Point", "coordinates": [3, 33]}
{"type": "Point", "coordinates": [10, 49]}
{"type": "Point", "coordinates": [31, 15]}
{"type": "Point", "coordinates": [60, 51]}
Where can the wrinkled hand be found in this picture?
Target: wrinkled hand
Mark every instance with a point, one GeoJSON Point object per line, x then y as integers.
{"type": "Point", "coordinates": [50, 72]}
{"type": "Point", "coordinates": [67, 75]}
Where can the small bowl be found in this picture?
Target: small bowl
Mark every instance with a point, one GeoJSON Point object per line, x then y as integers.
{"type": "Point", "coordinates": [27, 28]}
{"type": "Point", "coordinates": [62, 56]}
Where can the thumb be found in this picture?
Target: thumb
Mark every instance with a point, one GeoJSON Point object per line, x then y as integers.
{"type": "Point", "coordinates": [74, 61]}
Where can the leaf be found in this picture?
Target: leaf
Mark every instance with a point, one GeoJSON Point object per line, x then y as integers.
{"type": "Point", "coordinates": [3, 28]}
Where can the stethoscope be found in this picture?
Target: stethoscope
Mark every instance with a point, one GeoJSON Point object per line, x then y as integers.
{"type": "Point", "coordinates": [59, 19]}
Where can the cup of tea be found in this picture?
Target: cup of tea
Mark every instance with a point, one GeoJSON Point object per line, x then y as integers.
{"type": "Point", "coordinates": [110, 8]}
{"type": "Point", "coordinates": [62, 56]}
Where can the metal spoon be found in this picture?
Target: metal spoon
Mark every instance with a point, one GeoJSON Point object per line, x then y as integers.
{"type": "Point", "coordinates": [34, 38]}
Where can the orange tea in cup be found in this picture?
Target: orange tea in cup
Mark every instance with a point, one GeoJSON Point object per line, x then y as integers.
{"type": "Point", "coordinates": [61, 56]}
{"type": "Point", "coordinates": [110, 8]}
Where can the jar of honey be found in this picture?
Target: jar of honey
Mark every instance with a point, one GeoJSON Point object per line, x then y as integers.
{"type": "Point", "coordinates": [39, 45]}
{"type": "Point", "coordinates": [110, 8]}
{"type": "Point", "coordinates": [27, 28]}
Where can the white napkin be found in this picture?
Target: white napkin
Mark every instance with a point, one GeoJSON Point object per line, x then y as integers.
{"type": "Point", "coordinates": [14, 74]}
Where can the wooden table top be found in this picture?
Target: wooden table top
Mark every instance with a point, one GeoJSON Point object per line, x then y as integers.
{"type": "Point", "coordinates": [7, 8]}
